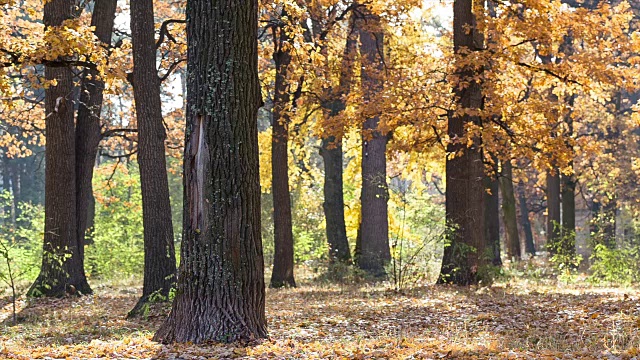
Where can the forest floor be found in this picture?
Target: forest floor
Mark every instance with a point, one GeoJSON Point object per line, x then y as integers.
{"type": "Point", "coordinates": [518, 319]}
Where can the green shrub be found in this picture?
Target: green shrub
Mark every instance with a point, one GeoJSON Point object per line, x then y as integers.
{"type": "Point", "coordinates": [417, 235]}
{"type": "Point", "coordinates": [620, 265]}
{"type": "Point", "coordinates": [118, 239]}
{"type": "Point", "coordinates": [20, 245]}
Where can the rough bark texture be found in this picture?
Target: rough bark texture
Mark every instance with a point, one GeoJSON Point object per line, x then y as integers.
{"type": "Point", "coordinates": [62, 264]}
{"type": "Point", "coordinates": [159, 251]}
{"type": "Point", "coordinates": [465, 255]}
{"type": "Point", "coordinates": [530, 247]}
{"type": "Point", "coordinates": [374, 228]}
{"type": "Point", "coordinates": [553, 209]}
{"type": "Point", "coordinates": [88, 123]}
{"type": "Point", "coordinates": [282, 274]}
{"type": "Point", "coordinates": [509, 212]}
{"type": "Point", "coordinates": [331, 152]}
{"type": "Point", "coordinates": [220, 294]}
{"type": "Point", "coordinates": [492, 217]}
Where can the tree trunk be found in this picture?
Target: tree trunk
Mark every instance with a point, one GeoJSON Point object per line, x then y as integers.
{"type": "Point", "coordinates": [465, 254]}
{"type": "Point", "coordinates": [374, 228]}
{"type": "Point", "coordinates": [331, 152]}
{"type": "Point", "coordinates": [15, 190]}
{"type": "Point", "coordinates": [553, 210]}
{"type": "Point", "coordinates": [6, 187]}
{"type": "Point", "coordinates": [568, 233]}
{"type": "Point", "coordinates": [492, 218]}
{"type": "Point", "coordinates": [509, 212]}
{"type": "Point", "coordinates": [88, 123]}
{"type": "Point", "coordinates": [62, 268]}
{"type": "Point", "coordinates": [220, 294]}
{"type": "Point", "coordinates": [282, 274]}
{"type": "Point", "coordinates": [159, 251]}
{"type": "Point", "coordinates": [530, 247]}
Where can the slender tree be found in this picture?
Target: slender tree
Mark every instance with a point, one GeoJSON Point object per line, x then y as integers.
{"type": "Point", "coordinates": [509, 212]}
{"type": "Point", "coordinates": [530, 247]}
{"type": "Point", "coordinates": [220, 294]}
{"type": "Point", "coordinates": [331, 152]}
{"type": "Point", "coordinates": [88, 122]}
{"type": "Point", "coordinates": [374, 250]}
{"type": "Point", "coordinates": [568, 186]}
{"type": "Point", "coordinates": [159, 252]}
{"type": "Point", "coordinates": [492, 217]}
{"type": "Point", "coordinates": [62, 267]}
{"type": "Point", "coordinates": [464, 255]}
{"type": "Point", "coordinates": [282, 274]}
{"type": "Point", "coordinates": [553, 209]}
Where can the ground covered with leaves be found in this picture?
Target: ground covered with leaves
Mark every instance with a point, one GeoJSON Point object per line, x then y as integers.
{"type": "Point", "coordinates": [511, 320]}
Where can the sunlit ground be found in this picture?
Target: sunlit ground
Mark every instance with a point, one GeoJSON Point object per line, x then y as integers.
{"type": "Point", "coordinates": [515, 319]}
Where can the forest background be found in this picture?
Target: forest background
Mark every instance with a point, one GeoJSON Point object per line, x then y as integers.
{"type": "Point", "coordinates": [558, 137]}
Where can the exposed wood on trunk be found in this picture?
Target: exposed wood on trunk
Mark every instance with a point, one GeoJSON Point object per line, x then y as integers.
{"type": "Point", "coordinates": [220, 294]}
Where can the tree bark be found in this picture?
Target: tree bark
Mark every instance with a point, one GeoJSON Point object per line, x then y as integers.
{"type": "Point", "coordinates": [553, 210]}
{"type": "Point", "coordinates": [568, 187]}
{"type": "Point", "coordinates": [331, 152]}
{"type": "Point", "coordinates": [282, 274]}
{"type": "Point", "coordinates": [62, 267]}
{"type": "Point", "coordinates": [465, 254]}
{"type": "Point", "coordinates": [159, 251]}
{"type": "Point", "coordinates": [220, 294]}
{"type": "Point", "coordinates": [530, 247]}
{"type": "Point", "coordinates": [6, 186]}
{"type": "Point", "coordinates": [509, 212]}
{"type": "Point", "coordinates": [492, 218]}
{"type": "Point", "coordinates": [568, 233]}
{"type": "Point", "coordinates": [374, 228]}
{"type": "Point", "coordinates": [16, 191]}
{"type": "Point", "coordinates": [88, 123]}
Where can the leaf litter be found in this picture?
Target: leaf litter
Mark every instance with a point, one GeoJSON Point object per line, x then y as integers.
{"type": "Point", "coordinates": [518, 320]}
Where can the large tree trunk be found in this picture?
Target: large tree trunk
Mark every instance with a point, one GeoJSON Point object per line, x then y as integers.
{"type": "Point", "coordinates": [492, 217]}
{"type": "Point", "coordinates": [159, 251]}
{"type": "Point", "coordinates": [88, 123]}
{"type": "Point", "coordinates": [553, 210]}
{"type": "Point", "coordinates": [220, 294]}
{"type": "Point", "coordinates": [464, 256]}
{"type": "Point", "coordinates": [374, 228]}
{"type": "Point", "coordinates": [509, 212]}
{"type": "Point", "coordinates": [62, 264]}
{"type": "Point", "coordinates": [530, 247]}
{"type": "Point", "coordinates": [331, 152]}
{"type": "Point", "coordinates": [282, 274]}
